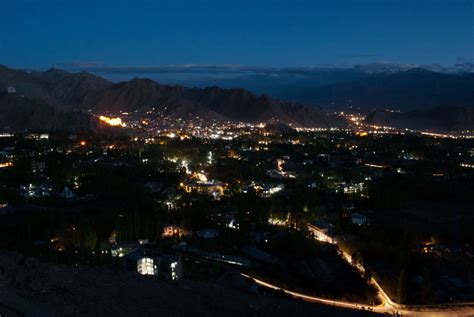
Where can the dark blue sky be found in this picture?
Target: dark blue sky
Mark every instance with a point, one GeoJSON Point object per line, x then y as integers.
{"type": "Point", "coordinates": [38, 34]}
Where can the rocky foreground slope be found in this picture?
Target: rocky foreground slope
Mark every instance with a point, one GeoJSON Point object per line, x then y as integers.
{"type": "Point", "coordinates": [31, 288]}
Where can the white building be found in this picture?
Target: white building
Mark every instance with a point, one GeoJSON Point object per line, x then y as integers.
{"type": "Point", "coordinates": [148, 266]}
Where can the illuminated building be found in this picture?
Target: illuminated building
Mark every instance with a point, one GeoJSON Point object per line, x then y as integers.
{"type": "Point", "coordinates": [353, 188]}
{"type": "Point", "coordinates": [172, 267]}
{"type": "Point", "coordinates": [170, 231]}
{"type": "Point", "coordinates": [203, 186]}
{"type": "Point", "coordinates": [143, 262]}
{"type": "Point", "coordinates": [321, 231]}
{"type": "Point", "coordinates": [148, 266]}
{"type": "Point", "coordinates": [175, 231]}
{"type": "Point", "coordinates": [279, 219]}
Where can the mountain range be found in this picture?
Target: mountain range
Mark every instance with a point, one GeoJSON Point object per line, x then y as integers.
{"type": "Point", "coordinates": [71, 95]}
{"type": "Point", "coordinates": [58, 99]}
{"type": "Point", "coordinates": [376, 85]}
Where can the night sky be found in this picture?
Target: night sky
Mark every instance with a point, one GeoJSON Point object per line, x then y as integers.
{"type": "Point", "coordinates": [39, 34]}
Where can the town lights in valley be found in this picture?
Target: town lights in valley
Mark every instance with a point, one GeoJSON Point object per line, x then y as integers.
{"type": "Point", "coordinates": [115, 122]}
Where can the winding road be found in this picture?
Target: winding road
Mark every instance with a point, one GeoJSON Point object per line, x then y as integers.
{"type": "Point", "coordinates": [460, 309]}
{"type": "Point", "coordinates": [386, 306]}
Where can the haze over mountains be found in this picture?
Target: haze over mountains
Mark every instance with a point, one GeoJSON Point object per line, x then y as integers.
{"type": "Point", "coordinates": [447, 118]}
{"type": "Point", "coordinates": [57, 99]}
{"type": "Point", "coordinates": [377, 85]}
{"type": "Point", "coordinates": [414, 89]}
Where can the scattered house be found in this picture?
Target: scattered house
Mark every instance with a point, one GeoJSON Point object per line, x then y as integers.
{"type": "Point", "coordinates": [434, 247]}
{"type": "Point", "coordinates": [170, 231]}
{"type": "Point", "coordinates": [271, 189]}
{"type": "Point", "coordinates": [359, 219]}
{"type": "Point", "coordinates": [210, 187]}
{"type": "Point", "coordinates": [348, 207]}
{"type": "Point", "coordinates": [352, 188]}
{"type": "Point", "coordinates": [313, 185]}
{"type": "Point", "coordinates": [36, 136]}
{"type": "Point", "coordinates": [67, 193]}
{"type": "Point", "coordinates": [279, 174]}
{"type": "Point", "coordinates": [143, 241]}
{"type": "Point", "coordinates": [31, 190]}
{"type": "Point", "coordinates": [122, 249]}
{"type": "Point", "coordinates": [11, 90]}
{"type": "Point", "coordinates": [233, 223]}
{"type": "Point", "coordinates": [280, 219]}
{"type": "Point", "coordinates": [225, 217]}
{"type": "Point", "coordinates": [5, 208]}
{"type": "Point", "coordinates": [207, 233]}
{"type": "Point", "coordinates": [37, 167]}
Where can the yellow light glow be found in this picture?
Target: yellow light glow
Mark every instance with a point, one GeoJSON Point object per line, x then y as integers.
{"type": "Point", "coordinates": [6, 164]}
{"type": "Point", "coordinates": [115, 122]}
{"type": "Point", "coordinates": [200, 177]}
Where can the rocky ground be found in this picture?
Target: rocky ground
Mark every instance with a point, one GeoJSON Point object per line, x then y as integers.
{"type": "Point", "coordinates": [31, 288]}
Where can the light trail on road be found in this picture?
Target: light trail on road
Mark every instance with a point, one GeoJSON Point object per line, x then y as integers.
{"type": "Point", "coordinates": [460, 309]}
{"type": "Point", "coordinates": [313, 299]}
{"type": "Point", "coordinates": [386, 305]}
